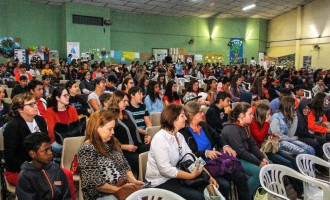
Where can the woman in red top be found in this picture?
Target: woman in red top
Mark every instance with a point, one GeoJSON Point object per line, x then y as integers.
{"type": "Point", "coordinates": [171, 94]}
{"type": "Point", "coordinates": [260, 124]}
{"type": "Point", "coordinates": [317, 121]}
{"type": "Point", "coordinates": [59, 111]}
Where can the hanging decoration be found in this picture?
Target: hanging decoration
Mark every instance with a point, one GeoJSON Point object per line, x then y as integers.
{"type": "Point", "coordinates": [214, 58]}
{"type": "Point", "coordinates": [99, 53]}
{"type": "Point", "coordinates": [8, 44]}
{"type": "Point", "coordinates": [236, 50]}
{"type": "Point", "coordinates": [37, 49]}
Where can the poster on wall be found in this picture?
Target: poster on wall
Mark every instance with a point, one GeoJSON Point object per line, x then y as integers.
{"type": "Point", "coordinates": [199, 58]}
{"type": "Point", "coordinates": [236, 50]}
{"type": "Point", "coordinates": [286, 61]}
{"type": "Point", "coordinates": [36, 57]}
{"type": "Point", "coordinates": [307, 62]}
{"type": "Point", "coordinates": [20, 55]}
{"type": "Point", "coordinates": [8, 44]}
{"type": "Point", "coordinates": [214, 58]}
{"type": "Point", "coordinates": [189, 59]}
{"type": "Point", "coordinates": [74, 49]}
{"type": "Point", "coordinates": [53, 55]}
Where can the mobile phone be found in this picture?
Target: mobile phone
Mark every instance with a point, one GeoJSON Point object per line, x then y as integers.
{"type": "Point", "coordinates": [146, 185]}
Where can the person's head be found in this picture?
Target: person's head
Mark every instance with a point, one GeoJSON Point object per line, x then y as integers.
{"type": "Point", "coordinates": [70, 55]}
{"type": "Point", "coordinates": [135, 94]}
{"type": "Point", "coordinates": [212, 84]}
{"type": "Point", "coordinates": [23, 68]}
{"type": "Point", "coordinates": [161, 79]}
{"type": "Point", "coordinates": [127, 84]}
{"type": "Point", "coordinates": [171, 91]}
{"type": "Point", "coordinates": [46, 80]}
{"type": "Point", "coordinates": [100, 83]}
{"type": "Point", "coordinates": [100, 130]}
{"type": "Point", "coordinates": [317, 104]}
{"type": "Point", "coordinates": [25, 105]}
{"type": "Point", "coordinates": [261, 114]}
{"type": "Point", "coordinates": [255, 100]}
{"type": "Point", "coordinates": [193, 86]}
{"type": "Point", "coordinates": [223, 99]}
{"type": "Point", "coordinates": [104, 99]}
{"type": "Point", "coordinates": [153, 90]}
{"type": "Point", "coordinates": [118, 102]}
{"type": "Point", "coordinates": [2, 93]}
{"type": "Point", "coordinates": [38, 146]}
{"type": "Point", "coordinates": [304, 106]}
{"type": "Point", "coordinates": [193, 112]}
{"type": "Point", "coordinates": [225, 83]}
{"type": "Point", "coordinates": [36, 88]}
{"type": "Point", "coordinates": [320, 80]}
{"type": "Point", "coordinates": [23, 81]}
{"type": "Point", "coordinates": [73, 87]}
{"type": "Point", "coordinates": [112, 81]}
{"type": "Point", "coordinates": [299, 90]}
{"type": "Point", "coordinates": [86, 75]}
{"type": "Point", "coordinates": [144, 81]}
{"type": "Point", "coordinates": [242, 113]}
{"type": "Point", "coordinates": [60, 98]}
{"type": "Point", "coordinates": [173, 118]}
{"type": "Point", "coordinates": [287, 108]}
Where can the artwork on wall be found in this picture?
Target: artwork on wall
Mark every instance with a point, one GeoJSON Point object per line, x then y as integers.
{"type": "Point", "coordinates": [20, 55]}
{"type": "Point", "coordinates": [214, 58]}
{"type": "Point", "coordinates": [145, 56]}
{"type": "Point", "coordinates": [189, 59]}
{"type": "Point", "coordinates": [8, 44]}
{"type": "Point", "coordinates": [53, 55]}
{"type": "Point", "coordinates": [199, 58]}
{"type": "Point", "coordinates": [74, 49]}
{"type": "Point", "coordinates": [307, 62]}
{"type": "Point", "coordinates": [236, 50]}
{"type": "Point", "coordinates": [36, 57]}
{"type": "Point", "coordinates": [286, 61]}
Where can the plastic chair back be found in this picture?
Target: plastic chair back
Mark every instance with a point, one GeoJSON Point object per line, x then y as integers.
{"type": "Point", "coordinates": [154, 193]}
{"type": "Point", "coordinates": [70, 148]}
{"type": "Point", "coordinates": [326, 150]}
{"type": "Point", "coordinates": [155, 118]}
{"type": "Point", "coordinates": [272, 180]}
{"type": "Point", "coordinates": [151, 131]}
{"type": "Point", "coordinates": [143, 159]}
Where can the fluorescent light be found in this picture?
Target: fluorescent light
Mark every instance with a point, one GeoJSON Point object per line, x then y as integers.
{"type": "Point", "coordinates": [215, 30]}
{"type": "Point", "coordinates": [249, 7]}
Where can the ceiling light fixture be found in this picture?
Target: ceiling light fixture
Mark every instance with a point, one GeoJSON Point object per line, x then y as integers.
{"type": "Point", "coordinates": [249, 7]}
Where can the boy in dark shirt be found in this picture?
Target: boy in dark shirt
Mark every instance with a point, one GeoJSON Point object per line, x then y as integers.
{"type": "Point", "coordinates": [41, 178]}
{"type": "Point", "coordinates": [21, 87]}
{"type": "Point", "coordinates": [218, 112]}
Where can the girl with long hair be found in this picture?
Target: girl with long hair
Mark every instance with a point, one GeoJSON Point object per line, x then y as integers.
{"type": "Point", "coordinates": [171, 95]}
{"type": "Point", "coordinates": [211, 90]}
{"type": "Point", "coordinates": [143, 84]}
{"type": "Point", "coordinates": [259, 87]}
{"type": "Point", "coordinates": [153, 100]}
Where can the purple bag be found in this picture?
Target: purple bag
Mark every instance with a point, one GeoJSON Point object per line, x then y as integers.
{"type": "Point", "coordinates": [223, 164]}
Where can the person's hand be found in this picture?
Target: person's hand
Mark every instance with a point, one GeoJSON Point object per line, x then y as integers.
{"type": "Point", "coordinates": [131, 148]}
{"type": "Point", "coordinates": [265, 161]}
{"type": "Point", "coordinates": [227, 109]}
{"type": "Point", "coordinates": [196, 171]}
{"type": "Point", "coordinates": [277, 135]}
{"type": "Point", "coordinates": [89, 111]}
{"type": "Point", "coordinates": [147, 139]}
{"type": "Point", "coordinates": [136, 182]}
{"type": "Point", "coordinates": [212, 154]}
{"type": "Point", "coordinates": [230, 151]}
{"type": "Point", "coordinates": [262, 164]}
{"type": "Point", "coordinates": [214, 182]}
{"type": "Point", "coordinates": [268, 118]}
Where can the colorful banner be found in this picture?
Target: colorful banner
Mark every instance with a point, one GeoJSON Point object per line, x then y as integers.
{"type": "Point", "coordinates": [74, 49]}
{"type": "Point", "coordinates": [236, 50]}
{"type": "Point", "coordinates": [199, 58]}
{"type": "Point", "coordinates": [286, 61]}
{"type": "Point", "coordinates": [117, 55]}
{"type": "Point", "coordinates": [128, 55]}
{"type": "Point", "coordinates": [189, 59]}
{"type": "Point", "coordinates": [145, 56]}
{"type": "Point", "coordinates": [8, 44]}
{"type": "Point", "coordinates": [53, 54]}
{"type": "Point", "coordinates": [214, 58]}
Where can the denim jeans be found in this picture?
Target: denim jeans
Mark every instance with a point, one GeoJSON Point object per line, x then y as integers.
{"type": "Point", "coordinates": [296, 147]}
{"type": "Point", "coordinates": [57, 151]}
{"type": "Point", "coordinates": [108, 197]}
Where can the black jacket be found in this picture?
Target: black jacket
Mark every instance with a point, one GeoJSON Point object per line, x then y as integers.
{"type": "Point", "coordinates": [18, 90]}
{"type": "Point", "coordinates": [215, 139]}
{"type": "Point", "coordinates": [302, 127]}
{"type": "Point", "coordinates": [86, 85]}
{"type": "Point", "coordinates": [5, 111]}
{"type": "Point", "coordinates": [241, 140]}
{"type": "Point", "coordinates": [215, 117]}
{"type": "Point", "coordinates": [14, 133]}
{"type": "Point", "coordinates": [80, 104]}
{"type": "Point", "coordinates": [34, 184]}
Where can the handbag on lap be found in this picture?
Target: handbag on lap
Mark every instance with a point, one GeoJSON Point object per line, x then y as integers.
{"type": "Point", "coordinates": [73, 129]}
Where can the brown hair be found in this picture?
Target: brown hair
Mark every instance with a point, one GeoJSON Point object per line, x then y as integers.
{"type": "Point", "coordinates": [169, 115]}
{"type": "Point", "coordinates": [287, 107]}
{"type": "Point", "coordinates": [18, 102]}
{"type": "Point", "coordinates": [240, 108]}
{"type": "Point", "coordinates": [96, 120]}
{"type": "Point", "coordinates": [191, 109]}
{"type": "Point", "coordinates": [114, 100]}
{"type": "Point", "coordinates": [260, 114]}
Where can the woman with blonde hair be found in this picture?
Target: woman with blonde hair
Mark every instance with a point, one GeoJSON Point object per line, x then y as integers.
{"type": "Point", "coordinates": [101, 160]}
{"type": "Point", "coordinates": [127, 131]}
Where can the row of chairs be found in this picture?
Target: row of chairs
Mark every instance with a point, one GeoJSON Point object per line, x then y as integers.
{"type": "Point", "coordinates": [272, 177]}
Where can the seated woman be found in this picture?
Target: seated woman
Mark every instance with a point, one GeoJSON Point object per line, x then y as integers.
{"type": "Point", "coordinates": [259, 87]}
{"type": "Point", "coordinates": [238, 136]}
{"type": "Point", "coordinates": [143, 84]}
{"type": "Point", "coordinates": [127, 131]}
{"type": "Point", "coordinates": [153, 100]}
{"type": "Point", "coordinates": [284, 123]}
{"type": "Point", "coordinates": [93, 99]}
{"type": "Point", "coordinates": [127, 84]}
{"type": "Point", "coordinates": [193, 90]}
{"type": "Point", "coordinates": [206, 143]}
{"type": "Point", "coordinates": [317, 121]}
{"type": "Point", "coordinates": [77, 101]}
{"type": "Point", "coordinates": [167, 147]}
{"type": "Point", "coordinates": [212, 90]}
{"type": "Point", "coordinates": [59, 111]}
{"type": "Point", "coordinates": [171, 94]}
{"type": "Point", "coordinates": [226, 88]}
{"type": "Point", "coordinates": [259, 129]}
{"type": "Point", "coordinates": [86, 85]}
{"type": "Point", "coordinates": [161, 80]}
{"type": "Point", "coordinates": [101, 162]}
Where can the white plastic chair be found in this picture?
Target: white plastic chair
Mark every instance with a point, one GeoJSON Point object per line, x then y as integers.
{"type": "Point", "coordinates": [326, 150]}
{"type": "Point", "coordinates": [308, 94]}
{"type": "Point", "coordinates": [151, 131]}
{"type": "Point", "coordinates": [272, 180]}
{"type": "Point", "coordinates": [155, 118]}
{"type": "Point", "coordinates": [154, 193]}
{"type": "Point", "coordinates": [306, 165]}
{"type": "Point", "coordinates": [181, 81]}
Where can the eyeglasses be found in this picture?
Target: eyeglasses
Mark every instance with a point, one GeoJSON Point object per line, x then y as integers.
{"type": "Point", "coordinates": [66, 95]}
{"type": "Point", "coordinates": [32, 104]}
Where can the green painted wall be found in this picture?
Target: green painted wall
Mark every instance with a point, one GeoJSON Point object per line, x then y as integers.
{"type": "Point", "coordinates": [51, 26]}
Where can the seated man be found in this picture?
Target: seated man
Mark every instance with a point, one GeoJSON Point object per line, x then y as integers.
{"type": "Point", "coordinates": [21, 87]}
{"type": "Point", "coordinates": [41, 178]}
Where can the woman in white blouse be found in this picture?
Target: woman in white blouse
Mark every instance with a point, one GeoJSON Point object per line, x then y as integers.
{"type": "Point", "coordinates": [167, 147]}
